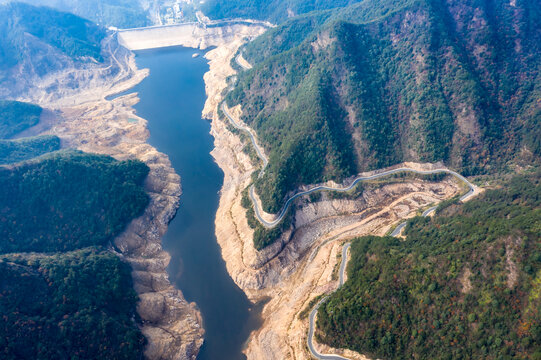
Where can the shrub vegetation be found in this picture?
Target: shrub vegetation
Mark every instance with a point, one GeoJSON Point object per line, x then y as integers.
{"type": "Point", "coordinates": [465, 284]}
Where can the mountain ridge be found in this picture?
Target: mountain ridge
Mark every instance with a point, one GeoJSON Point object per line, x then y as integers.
{"type": "Point", "coordinates": [419, 83]}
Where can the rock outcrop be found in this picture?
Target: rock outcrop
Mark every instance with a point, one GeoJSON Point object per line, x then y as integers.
{"type": "Point", "coordinates": [78, 112]}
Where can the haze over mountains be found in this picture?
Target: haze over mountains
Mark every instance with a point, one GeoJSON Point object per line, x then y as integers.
{"type": "Point", "coordinates": [120, 13]}
{"type": "Point", "coordinates": [27, 26]}
{"type": "Point", "coordinates": [275, 11]}
{"type": "Point", "coordinates": [36, 42]}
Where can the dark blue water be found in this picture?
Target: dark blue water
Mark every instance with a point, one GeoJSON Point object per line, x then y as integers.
{"type": "Point", "coordinates": [172, 99]}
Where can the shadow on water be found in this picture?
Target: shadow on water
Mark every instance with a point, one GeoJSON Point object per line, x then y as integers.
{"type": "Point", "coordinates": [172, 99]}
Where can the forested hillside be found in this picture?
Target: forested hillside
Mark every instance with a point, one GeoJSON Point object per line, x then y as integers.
{"type": "Point", "coordinates": [336, 92]}
{"type": "Point", "coordinates": [24, 26]}
{"type": "Point", "coordinates": [68, 200]}
{"type": "Point", "coordinates": [15, 117]}
{"type": "Point", "coordinates": [465, 284]}
{"type": "Point", "coordinates": [79, 303]}
{"type": "Point", "coordinates": [12, 151]}
{"type": "Point", "coordinates": [275, 11]}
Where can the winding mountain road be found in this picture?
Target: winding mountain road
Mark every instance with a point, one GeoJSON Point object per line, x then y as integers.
{"type": "Point", "coordinates": [281, 214]}
{"type": "Point", "coordinates": [398, 229]}
{"type": "Point", "coordinates": [311, 329]}
{"type": "Point", "coordinates": [277, 218]}
{"type": "Point", "coordinates": [250, 132]}
{"type": "Point", "coordinates": [243, 64]}
{"type": "Point", "coordinates": [429, 211]}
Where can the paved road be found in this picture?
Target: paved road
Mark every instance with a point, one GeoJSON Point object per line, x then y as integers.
{"type": "Point", "coordinates": [246, 129]}
{"type": "Point", "coordinates": [271, 224]}
{"type": "Point", "coordinates": [343, 264]}
{"type": "Point", "coordinates": [264, 160]}
{"type": "Point", "coordinates": [243, 66]}
{"type": "Point", "coordinates": [311, 329]}
{"type": "Point", "coordinates": [399, 228]}
{"type": "Point", "coordinates": [261, 155]}
{"type": "Point", "coordinates": [313, 313]}
{"type": "Point", "coordinates": [429, 211]}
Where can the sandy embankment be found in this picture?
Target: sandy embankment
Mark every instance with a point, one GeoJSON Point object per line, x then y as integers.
{"type": "Point", "coordinates": [300, 266]}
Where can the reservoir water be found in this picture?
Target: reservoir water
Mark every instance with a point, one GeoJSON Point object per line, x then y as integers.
{"type": "Point", "coordinates": [172, 98]}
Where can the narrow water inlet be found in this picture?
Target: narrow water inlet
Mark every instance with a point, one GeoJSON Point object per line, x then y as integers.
{"type": "Point", "coordinates": [171, 99]}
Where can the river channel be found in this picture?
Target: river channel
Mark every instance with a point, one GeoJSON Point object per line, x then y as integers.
{"type": "Point", "coordinates": [171, 99]}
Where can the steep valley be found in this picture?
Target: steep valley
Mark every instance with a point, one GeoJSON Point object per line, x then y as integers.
{"type": "Point", "coordinates": [74, 96]}
{"type": "Point", "coordinates": [353, 88]}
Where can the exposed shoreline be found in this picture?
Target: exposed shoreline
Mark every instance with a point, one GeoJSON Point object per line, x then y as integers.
{"type": "Point", "coordinates": [300, 265]}
{"type": "Point", "coordinates": [84, 120]}
{"type": "Point", "coordinates": [288, 273]}
{"type": "Point", "coordinates": [90, 123]}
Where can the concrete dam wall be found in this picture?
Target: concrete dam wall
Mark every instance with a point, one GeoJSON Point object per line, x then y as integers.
{"type": "Point", "coordinates": [193, 35]}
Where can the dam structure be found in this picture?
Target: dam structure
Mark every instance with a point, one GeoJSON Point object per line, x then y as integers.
{"type": "Point", "coordinates": [195, 34]}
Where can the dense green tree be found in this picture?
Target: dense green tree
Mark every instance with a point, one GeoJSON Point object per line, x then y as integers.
{"type": "Point", "coordinates": [378, 82]}
{"type": "Point", "coordinates": [464, 284]}
{"type": "Point", "coordinates": [68, 200]}
{"type": "Point", "coordinates": [77, 305]}
{"type": "Point", "coordinates": [16, 116]}
{"type": "Point", "coordinates": [12, 151]}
